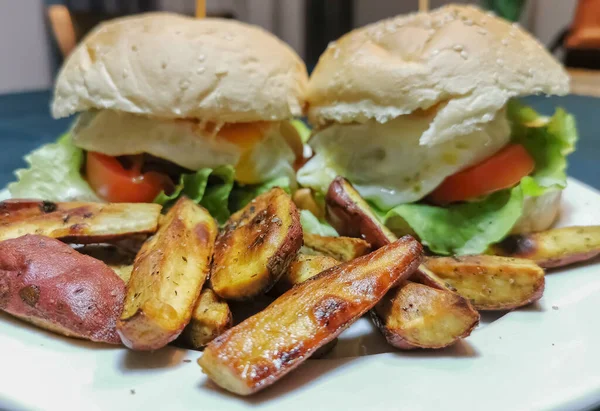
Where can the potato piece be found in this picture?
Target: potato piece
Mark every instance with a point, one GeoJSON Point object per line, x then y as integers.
{"type": "Point", "coordinates": [350, 215]}
{"type": "Point", "coordinates": [304, 200]}
{"type": "Point", "coordinates": [168, 274]}
{"type": "Point", "coordinates": [256, 246]}
{"type": "Point", "coordinates": [117, 258]}
{"type": "Point", "coordinates": [490, 282]}
{"type": "Point", "coordinates": [20, 209]}
{"type": "Point", "coordinates": [210, 318]}
{"type": "Point", "coordinates": [268, 345]}
{"type": "Point", "coordinates": [45, 282]}
{"type": "Point", "coordinates": [303, 268]}
{"type": "Point", "coordinates": [89, 223]}
{"type": "Point", "coordinates": [417, 316]}
{"type": "Point", "coordinates": [553, 248]}
{"type": "Point", "coordinates": [341, 248]}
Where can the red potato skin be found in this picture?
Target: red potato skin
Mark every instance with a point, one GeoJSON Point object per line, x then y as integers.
{"type": "Point", "coordinates": [348, 218]}
{"type": "Point", "coordinates": [47, 283]}
{"type": "Point", "coordinates": [572, 259]}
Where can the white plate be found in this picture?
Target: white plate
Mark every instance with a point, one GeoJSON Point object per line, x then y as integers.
{"type": "Point", "coordinates": [546, 356]}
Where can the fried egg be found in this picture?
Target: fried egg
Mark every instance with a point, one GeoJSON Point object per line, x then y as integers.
{"type": "Point", "coordinates": [386, 162]}
{"type": "Point", "coordinates": [258, 151]}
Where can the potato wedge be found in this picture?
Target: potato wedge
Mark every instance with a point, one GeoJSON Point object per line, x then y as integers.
{"type": "Point", "coordinates": [88, 223]}
{"type": "Point", "coordinates": [256, 246]}
{"type": "Point", "coordinates": [351, 216]}
{"type": "Point", "coordinates": [553, 248]}
{"type": "Point", "coordinates": [168, 274]}
{"type": "Point", "coordinates": [340, 248]}
{"type": "Point", "coordinates": [211, 317]}
{"type": "Point", "coordinates": [303, 268]}
{"type": "Point", "coordinates": [20, 209]}
{"type": "Point", "coordinates": [47, 283]}
{"type": "Point", "coordinates": [490, 282]}
{"type": "Point", "coordinates": [304, 200]}
{"type": "Point", "coordinates": [268, 345]}
{"type": "Point", "coordinates": [117, 258]}
{"type": "Point", "coordinates": [417, 316]}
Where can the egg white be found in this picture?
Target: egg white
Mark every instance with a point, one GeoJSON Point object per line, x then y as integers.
{"type": "Point", "coordinates": [386, 162]}
{"type": "Point", "coordinates": [182, 142]}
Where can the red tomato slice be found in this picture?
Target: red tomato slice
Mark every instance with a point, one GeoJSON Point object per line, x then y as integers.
{"type": "Point", "coordinates": [502, 170]}
{"type": "Point", "coordinates": [114, 183]}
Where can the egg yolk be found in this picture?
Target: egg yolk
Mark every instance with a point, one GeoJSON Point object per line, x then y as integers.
{"type": "Point", "coordinates": [245, 136]}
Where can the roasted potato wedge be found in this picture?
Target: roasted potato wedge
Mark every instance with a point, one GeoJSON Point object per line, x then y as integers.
{"type": "Point", "coordinates": [21, 209]}
{"type": "Point", "coordinates": [256, 246]}
{"type": "Point", "coordinates": [211, 317]}
{"type": "Point", "coordinates": [417, 316]}
{"type": "Point", "coordinates": [88, 223]}
{"type": "Point", "coordinates": [341, 248]}
{"type": "Point", "coordinates": [304, 200]}
{"type": "Point", "coordinates": [47, 283]}
{"type": "Point", "coordinates": [303, 268]}
{"type": "Point", "coordinates": [168, 274]}
{"type": "Point", "coordinates": [351, 216]}
{"type": "Point", "coordinates": [553, 248]}
{"type": "Point", "coordinates": [268, 345]}
{"type": "Point", "coordinates": [117, 258]}
{"type": "Point", "coordinates": [488, 282]}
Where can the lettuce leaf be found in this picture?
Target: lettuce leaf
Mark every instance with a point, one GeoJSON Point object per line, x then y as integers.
{"type": "Point", "coordinates": [243, 194]}
{"type": "Point", "coordinates": [469, 228]}
{"type": "Point", "coordinates": [209, 187]}
{"type": "Point", "coordinates": [54, 174]}
{"type": "Point", "coordinates": [311, 224]}
{"type": "Point", "coordinates": [216, 191]}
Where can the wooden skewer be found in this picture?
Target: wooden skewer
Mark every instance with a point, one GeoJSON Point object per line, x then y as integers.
{"type": "Point", "coordinates": [200, 9]}
{"type": "Point", "coordinates": [423, 6]}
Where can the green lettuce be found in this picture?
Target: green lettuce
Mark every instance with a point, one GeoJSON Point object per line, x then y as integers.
{"type": "Point", "coordinates": [54, 174]}
{"type": "Point", "coordinates": [469, 228]}
{"type": "Point", "coordinates": [216, 191]}
{"type": "Point", "coordinates": [209, 187]}
{"type": "Point", "coordinates": [311, 224]}
{"type": "Point", "coordinates": [243, 194]}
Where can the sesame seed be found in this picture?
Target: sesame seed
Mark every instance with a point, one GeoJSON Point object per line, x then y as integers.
{"type": "Point", "coordinates": [458, 47]}
{"type": "Point", "coordinates": [464, 54]}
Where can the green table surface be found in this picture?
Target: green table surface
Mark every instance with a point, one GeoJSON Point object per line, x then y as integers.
{"type": "Point", "coordinates": [25, 123]}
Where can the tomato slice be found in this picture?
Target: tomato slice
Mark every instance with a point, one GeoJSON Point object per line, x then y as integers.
{"type": "Point", "coordinates": [115, 183]}
{"type": "Point", "coordinates": [502, 170]}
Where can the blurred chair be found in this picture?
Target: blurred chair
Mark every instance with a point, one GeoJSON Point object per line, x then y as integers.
{"type": "Point", "coordinates": [73, 19]}
{"type": "Point", "coordinates": [62, 27]}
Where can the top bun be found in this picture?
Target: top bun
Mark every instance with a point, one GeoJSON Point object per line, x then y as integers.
{"type": "Point", "coordinates": [411, 62]}
{"type": "Point", "coordinates": [172, 66]}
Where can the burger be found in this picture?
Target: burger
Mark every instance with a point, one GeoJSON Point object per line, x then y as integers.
{"type": "Point", "coordinates": [169, 105]}
{"type": "Point", "coordinates": [419, 113]}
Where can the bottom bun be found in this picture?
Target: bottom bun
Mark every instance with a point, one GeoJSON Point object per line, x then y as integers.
{"type": "Point", "coordinates": [539, 213]}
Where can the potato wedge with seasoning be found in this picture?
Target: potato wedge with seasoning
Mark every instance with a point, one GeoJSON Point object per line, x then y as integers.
{"type": "Point", "coordinates": [211, 318]}
{"type": "Point", "coordinates": [351, 216]}
{"type": "Point", "coordinates": [268, 345]}
{"type": "Point", "coordinates": [417, 316]}
{"type": "Point", "coordinates": [48, 284]}
{"type": "Point", "coordinates": [553, 248]}
{"type": "Point", "coordinates": [117, 258]}
{"type": "Point", "coordinates": [84, 224]}
{"type": "Point", "coordinates": [20, 209]}
{"type": "Point", "coordinates": [256, 246]}
{"type": "Point", "coordinates": [168, 274]}
{"type": "Point", "coordinates": [303, 268]}
{"type": "Point", "coordinates": [340, 248]}
{"type": "Point", "coordinates": [489, 282]}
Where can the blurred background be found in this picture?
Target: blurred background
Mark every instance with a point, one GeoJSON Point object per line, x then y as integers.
{"type": "Point", "coordinates": [35, 35]}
